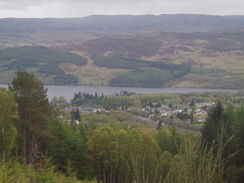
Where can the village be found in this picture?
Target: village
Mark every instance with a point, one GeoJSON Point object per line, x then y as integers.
{"type": "Point", "coordinates": [197, 113]}
{"type": "Point", "coordinates": [168, 108]}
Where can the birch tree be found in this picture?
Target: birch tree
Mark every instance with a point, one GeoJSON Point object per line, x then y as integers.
{"type": "Point", "coordinates": [7, 129]}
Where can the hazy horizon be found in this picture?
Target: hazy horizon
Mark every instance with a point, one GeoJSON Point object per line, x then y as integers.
{"type": "Point", "coordinates": [110, 15]}
{"type": "Point", "coordinates": [84, 8]}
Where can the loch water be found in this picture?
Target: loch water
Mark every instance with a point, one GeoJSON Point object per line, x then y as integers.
{"type": "Point", "coordinates": [69, 91]}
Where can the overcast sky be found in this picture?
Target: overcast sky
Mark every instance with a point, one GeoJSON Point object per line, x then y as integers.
{"type": "Point", "coordinates": [82, 8]}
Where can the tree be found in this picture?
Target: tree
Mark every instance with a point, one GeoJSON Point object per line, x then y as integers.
{"type": "Point", "coordinates": [62, 102]}
{"type": "Point", "coordinates": [192, 165]}
{"type": "Point", "coordinates": [75, 114]}
{"type": "Point", "coordinates": [240, 144]}
{"type": "Point", "coordinates": [123, 173]}
{"type": "Point", "coordinates": [68, 147]}
{"type": "Point", "coordinates": [35, 113]}
{"type": "Point", "coordinates": [217, 130]}
{"type": "Point", "coordinates": [165, 162]}
{"type": "Point", "coordinates": [103, 153]}
{"type": "Point", "coordinates": [8, 111]}
{"type": "Point", "coordinates": [141, 156]}
{"type": "Point", "coordinates": [169, 140]}
{"type": "Point", "coordinates": [235, 169]}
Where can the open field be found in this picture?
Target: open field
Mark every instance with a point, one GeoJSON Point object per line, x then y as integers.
{"type": "Point", "coordinates": [90, 74]}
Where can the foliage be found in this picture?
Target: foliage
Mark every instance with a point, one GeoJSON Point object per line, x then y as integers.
{"type": "Point", "coordinates": [145, 73]}
{"type": "Point", "coordinates": [217, 129]}
{"type": "Point", "coordinates": [169, 140]}
{"type": "Point", "coordinates": [59, 102]}
{"type": "Point", "coordinates": [154, 99]}
{"type": "Point", "coordinates": [120, 156]}
{"type": "Point", "coordinates": [116, 146]}
{"type": "Point", "coordinates": [143, 78]}
{"type": "Point", "coordinates": [44, 59]}
{"type": "Point", "coordinates": [24, 55]}
{"type": "Point", "coordinates": [14, 171]}
{"type": "Point", "coordinates": [223, 130]}
{"type": "Point", "coordinates": [34, 115]}
{"type": "Point", "coordinates": [8, 111]}
{"type": "Point", "coordinates": [116, 62]}
{"type": "Point", "coordinates": [192, 165]}
{"type": "Point", "coordinates": [129, 63]}
{"type": "Point", "coordinates": [165, 163]}
{"type": "Point", "coordinates": [6, 172]}
{"type": "Point", "coordinates": [66, 79]}
{"type": "Point", "coordinates": [51, 69]}
{"type": "Point", "coordinates": [235, 170]}
{"type": "Point", "coordinates": [107, 102]}
{"type": "Point", "coordinates": [68, 149]}
{"type": "Point", "coordinates": [113, 119]}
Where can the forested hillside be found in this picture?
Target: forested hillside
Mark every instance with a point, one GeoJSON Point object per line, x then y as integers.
{"type": "Point", "coordinates": [67, 68]}
{"type": "Point", "coordinates": [59, 142]}
{"type": "Point", "coordinates": [40, 60]}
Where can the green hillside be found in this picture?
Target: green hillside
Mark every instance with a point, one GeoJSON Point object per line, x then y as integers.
{"type": "Point", "coordinates": [76, 68]}
{"type": "Point", "coordinates": [143, 78]}
{"type": "Point", "coordinates": [53, 67]}
{"type": "Point", "coordinates": [44, 62]}
{"type": "Point", "coordinates": [142, 73]}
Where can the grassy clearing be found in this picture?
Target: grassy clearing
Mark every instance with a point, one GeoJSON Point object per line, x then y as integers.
{"type": "Point", "coordinates": [6, 76]}
{"type": "Point", "coordinates": [90, 74]}
{"type": "Point", "coordinates": [207, 81]}
{"type": "Point", "coordinates": [231, 63]}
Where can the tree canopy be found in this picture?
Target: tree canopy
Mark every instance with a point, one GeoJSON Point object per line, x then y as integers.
{"type": "Point", "coordinates": [34, 114]}
{"type": "Point", "coordinates": [8, 111]}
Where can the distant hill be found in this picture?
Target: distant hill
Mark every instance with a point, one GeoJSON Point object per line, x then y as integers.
{"type": "Point", "coordinates": [177, 22]}
{"type": "Point", "coordinates": [165, 45]}
{"type": "Point", "coordinates": [60, 31]}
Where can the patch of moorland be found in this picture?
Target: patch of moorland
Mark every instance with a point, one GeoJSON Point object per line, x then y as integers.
{"type": "Point", "coordinates": [218, 56]}
{"type": "Point", "coordinates": [67, 31]}
{"type": "Point", "coordinates": [208, 50]}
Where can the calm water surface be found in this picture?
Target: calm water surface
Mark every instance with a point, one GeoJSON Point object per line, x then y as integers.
{"type": "Point", "coordinates": [69, 91]}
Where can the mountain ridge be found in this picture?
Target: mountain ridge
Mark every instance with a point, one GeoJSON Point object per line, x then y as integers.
{"type": "Point", "coordinates": [49, 31]}
{"type": "Point", "coordinates": [129, 21]}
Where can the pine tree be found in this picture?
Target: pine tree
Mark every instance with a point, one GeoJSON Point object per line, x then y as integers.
{"type": "Point", "coordinates": [34, 112]}
{"type": "Point", "coordinates": [217, 130]}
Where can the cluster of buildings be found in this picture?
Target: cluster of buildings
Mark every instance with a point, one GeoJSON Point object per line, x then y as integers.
{"type": "Point", "coordinates": [85, 110]}
{"type": "Point", "coordinates": [198, 112]}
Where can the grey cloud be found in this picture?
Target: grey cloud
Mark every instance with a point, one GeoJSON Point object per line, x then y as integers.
{"type": "Point", "coordinates": [15, 4]}
{"type": "Point", "coordinates": [77, 8]}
